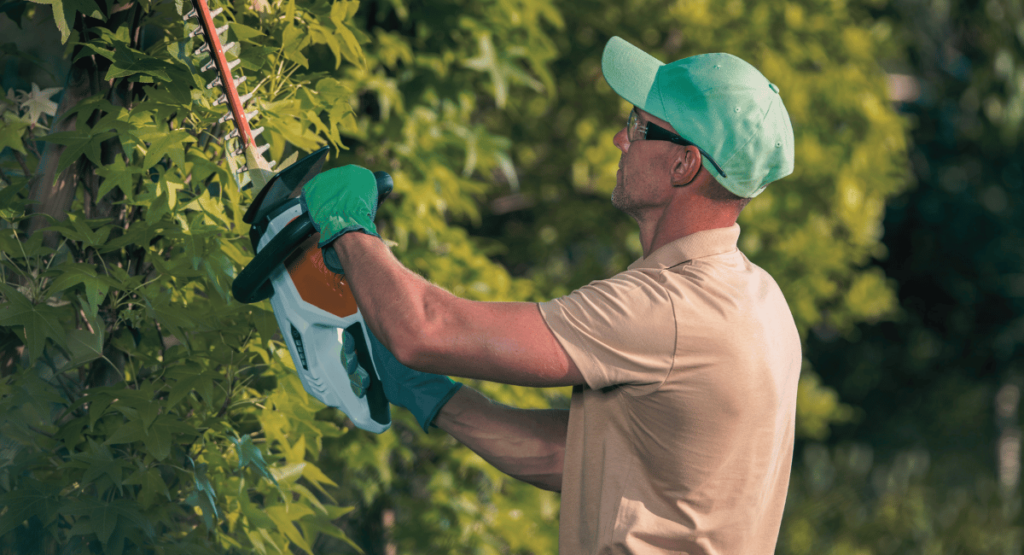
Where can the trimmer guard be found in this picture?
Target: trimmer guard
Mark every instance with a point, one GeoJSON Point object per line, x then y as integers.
{"type": "Point", "coordinates": [313, 305]}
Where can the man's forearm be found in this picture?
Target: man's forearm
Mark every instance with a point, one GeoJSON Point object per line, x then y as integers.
{"type": "Point", "coordinates": [525, 444]}
{"type": "Point", "coordinates": [390, 296]}
{"type": "Point", "coordinates": [431, 330]}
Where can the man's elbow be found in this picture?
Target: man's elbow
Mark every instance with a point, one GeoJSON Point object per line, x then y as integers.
{"type": "Point", "coordinates": [401, 343]}
{"type": "Point", "coordinates": [423, 342]}
{"type": "Point", "coordinates": [412, 347]}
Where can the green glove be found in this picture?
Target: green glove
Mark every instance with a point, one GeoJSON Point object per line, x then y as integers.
{"type": "Point", "coordinates": [422, 393]}
{"type": "Point", "coordinates": [342, 200]}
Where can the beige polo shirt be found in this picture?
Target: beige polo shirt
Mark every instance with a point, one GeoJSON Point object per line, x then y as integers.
{"type": "Point", "coordinates": [682, 439]}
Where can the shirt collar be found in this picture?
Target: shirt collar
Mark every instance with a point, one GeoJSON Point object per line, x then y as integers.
{"type": "Point", "coordinates": [695, 245]}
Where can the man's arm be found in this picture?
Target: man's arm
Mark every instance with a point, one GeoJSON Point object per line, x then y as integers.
{"type": "Point", "coordinates": [431, 330]}
{"type": "Point", "coordinates": [525, 444]}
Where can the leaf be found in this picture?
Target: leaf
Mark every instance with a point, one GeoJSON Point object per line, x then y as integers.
{"type": "Point", "coordinates": [98, 461]}
{"type": "Point", "coordinates": [76, 143]}
{"type": "Point", "coordinates": [153, 486]}
{"type": "Point", "coordinates": [65, 11]}
{"type": "Point", "coordinates": [322, 35]}
{"type": "Point", "coordinates": [117, 174]}
{"type": "Point", "coordinates": [288, 473]}
{"type": "Point", "coordinates": [284, 520]}
{"type": "Point", "coordinates": [129, 432]}
{"type": "Point", "coordinates": [88, 236]}
{"type": "Point", "coordinates": [104, 520]}
{"type": "Point", "coordinates": [322, 524]}
{"type": "Point", "coordinates": [103, 516]}
{"type": "Point", "coordinates": [171, 188]}
{"type": "Point", "coordinates": [162, 434]}
{"type": "Point", "coordinates": [139, 233]}
{"type": "Point", "coordinates": [350, 47]}
{"type": "Point", "coordinates": [11, 130]}
{"type": "Point", "coordinates": [206, 497]}
{"type": "Point", "coordinates": [32, 498]}
{"type": "Point", "coordinates": [181, 388]}
{"type": "Point", "coordinates": [71, 274]}
{"type": "Point", "coordinates": [250, 456]}
{"type": "Point", "coordinates": [167, 144]}
{"type": "Point", "coordinates": [14, 10]}
{"type": "Point", "coordinates": [38, 102]}
{"type": "Point", "coordinates": [158, 444]}
{"type": "Point", "coordinates": [317, 476]}
{"type": "Point", "coordinates": [98, 405]}
{"type": "Point", "coordinates": [128, 61]}
{"type": "Point", "coordinates": [148, 412]}
{"type": "Point", "coordinates": [244, 33]}
{"type": "Point", "coordinates": [172, 318]}
{"type": "Point", "coordinates": [84, 346]}
{"type": "Point", "coordinates": [41, 321]}
{"type": "Point", "coordinates": [293, 42]}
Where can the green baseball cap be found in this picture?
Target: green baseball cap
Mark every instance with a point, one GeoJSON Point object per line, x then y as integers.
{"type": "Point", "coordinates": [716, 101]}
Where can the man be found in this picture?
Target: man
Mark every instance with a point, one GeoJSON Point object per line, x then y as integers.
{"type": "Point", "coordinates": [679, 436]}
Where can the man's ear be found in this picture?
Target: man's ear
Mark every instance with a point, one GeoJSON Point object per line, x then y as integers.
{"type": "Point", "coordinates": [685, 165]}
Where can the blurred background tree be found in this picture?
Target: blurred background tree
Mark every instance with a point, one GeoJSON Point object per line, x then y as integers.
{"type": "Point", "coordinates": [933, 466]}
{"type": "Point", "coordinates": [496, 123]}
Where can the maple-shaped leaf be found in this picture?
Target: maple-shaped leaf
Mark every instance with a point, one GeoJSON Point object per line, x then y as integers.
{"type": "Point", "coordinates": [166, 144]}
{"type": "Point", "coordinates": [11, 129]}
{"type": "Point", "coordinates": [251, 456]}
{"type": "Point", "coordinates": [78, 143]}
{"type": "Point", "coordinates": [41, 321]}
{"type": "Point", "coordinates": [31, 498]}
{"type": "Point", "coordinates": [38, 103]}
{"type": "Point", "coordinates": [153, 486]}
{"type": "Point", "coordinates": [117, 174]}
{"type": "Point", "coordinates": [103, 516]}
{"type": "Point", "coordinates": [128, 61]}
{"type": "Point", "coordinates": [97, 461]}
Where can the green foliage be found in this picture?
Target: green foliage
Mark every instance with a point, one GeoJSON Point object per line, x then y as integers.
{"type": "Point", "coordinates": [942, 383]}
{"type": "Point", "coordinates": [147, 408]}
{"type": "Point", "coordinates": [844, 501]}
{"type": "Point", "coordinates": [142, 390]}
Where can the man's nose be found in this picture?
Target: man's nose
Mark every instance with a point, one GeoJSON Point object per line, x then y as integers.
{"type": "Point", "coordinates": [621, 140]}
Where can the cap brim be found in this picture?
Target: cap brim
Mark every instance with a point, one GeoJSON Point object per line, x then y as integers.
{"type": "Point", "coordinates": [629, 71]}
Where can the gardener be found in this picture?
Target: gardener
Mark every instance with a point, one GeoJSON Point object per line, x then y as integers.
{"type": "Point", "coordinates": [684, 367]}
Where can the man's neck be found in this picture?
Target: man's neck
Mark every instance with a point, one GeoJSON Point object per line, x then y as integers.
{"type": "Point", "coordinates": [675, 222]}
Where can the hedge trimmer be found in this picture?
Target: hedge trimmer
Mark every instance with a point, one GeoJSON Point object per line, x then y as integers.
{"type": "Point", "coordinates": [314, 307]}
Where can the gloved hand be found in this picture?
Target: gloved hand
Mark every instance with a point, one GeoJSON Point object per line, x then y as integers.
{"type": "Point", "coordinates": [422, 393]}
{"type": "Point", "coordinates": [341, 200]}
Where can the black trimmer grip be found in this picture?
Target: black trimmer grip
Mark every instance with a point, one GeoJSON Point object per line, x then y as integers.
{"type": "Point", "coordinates": [248, 286]}
{"type": "Point", "coordinates": [384, 186]}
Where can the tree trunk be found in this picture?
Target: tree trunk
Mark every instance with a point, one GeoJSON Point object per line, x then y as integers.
{"type": "Point", "coordinates": [54, 193]}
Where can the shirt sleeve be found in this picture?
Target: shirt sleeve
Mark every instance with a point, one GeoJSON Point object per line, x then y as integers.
{"type": "Point", "coordinates": [618, 331]}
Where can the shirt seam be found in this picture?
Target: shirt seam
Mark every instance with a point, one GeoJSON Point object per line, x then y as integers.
{"type": "Point", "coordinates": [675, 343]}
{"type": "Point", "coordinates": [590, 358]}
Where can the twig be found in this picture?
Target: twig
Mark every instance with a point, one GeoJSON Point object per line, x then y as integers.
{"type": "Point", "coordinates": [21, 161]}
{"type": "Point", "coordinates": [37, 430]}
{"type": "Point", "coordinates": [60, 381]}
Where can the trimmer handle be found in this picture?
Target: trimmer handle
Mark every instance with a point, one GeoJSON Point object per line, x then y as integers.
{"type": "Point", "coordinates": [314, 308]}
{"type": "Point", "coordinates": [252, 283]}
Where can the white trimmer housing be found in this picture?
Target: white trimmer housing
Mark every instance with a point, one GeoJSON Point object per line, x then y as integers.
{"type": "Point", "coordinates": [313, 306]}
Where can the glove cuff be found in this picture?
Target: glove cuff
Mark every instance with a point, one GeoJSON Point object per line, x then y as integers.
{"type": "Point", "coordinates": [428, 420]}
{"type": "Point", "coordinates": [331, 257]}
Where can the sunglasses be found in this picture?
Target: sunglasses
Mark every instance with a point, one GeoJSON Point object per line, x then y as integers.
{"type": "Point", "coordinates": [653, 132]}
